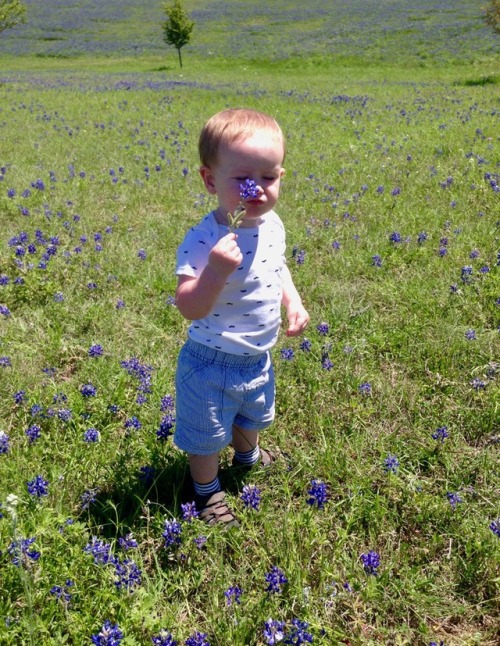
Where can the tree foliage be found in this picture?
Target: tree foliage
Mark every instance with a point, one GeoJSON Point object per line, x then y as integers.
{"type": "Point", "coordinates": [12, 12]}
{"type": "Point", "coordinates": [492, 15]}
{"type": "Point", "coordinates": [178, 27]}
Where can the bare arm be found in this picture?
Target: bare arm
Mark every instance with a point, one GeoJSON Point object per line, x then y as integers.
{"type": "Point", "coordinates": [195, 297]}
{"type": "Point", "coordinates": [298, 317]}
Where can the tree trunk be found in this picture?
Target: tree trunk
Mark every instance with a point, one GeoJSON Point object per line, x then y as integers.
{"type": "Point", "coordinates": [180, 57]}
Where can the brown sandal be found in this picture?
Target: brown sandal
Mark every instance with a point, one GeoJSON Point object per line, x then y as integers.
{"type": "Point", "coordinates": [215, 511]}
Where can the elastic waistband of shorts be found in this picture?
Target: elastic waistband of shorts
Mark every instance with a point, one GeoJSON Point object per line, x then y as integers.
{"type": "Point", "coordinates": [211, 355]}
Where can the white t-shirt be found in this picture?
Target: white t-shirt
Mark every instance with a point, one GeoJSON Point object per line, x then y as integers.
{"type": "Point", "coordinates": [247, 315]}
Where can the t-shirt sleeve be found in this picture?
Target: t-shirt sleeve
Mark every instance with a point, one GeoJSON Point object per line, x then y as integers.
{"type": "Point", "coordinates": [192, 254]}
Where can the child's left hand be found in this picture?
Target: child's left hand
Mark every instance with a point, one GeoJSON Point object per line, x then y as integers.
{"type": "Point", "coordinates": [298, 319]}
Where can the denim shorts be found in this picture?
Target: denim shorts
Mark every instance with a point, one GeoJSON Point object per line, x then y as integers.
{"type": "Point", "coordinates": [215, 390]}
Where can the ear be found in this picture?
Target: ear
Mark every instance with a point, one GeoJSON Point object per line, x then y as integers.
{"type": "Point", "coordinates": [208, 179]}
{"type": "Point", "coordinates": [282, 172]}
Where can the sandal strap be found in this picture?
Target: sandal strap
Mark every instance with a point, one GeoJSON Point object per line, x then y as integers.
{"type": "Point", "coordinates": [217, 511]}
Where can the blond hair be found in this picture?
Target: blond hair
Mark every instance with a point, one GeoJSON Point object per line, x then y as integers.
{"type": "Point", "coordinates": [234, 124]}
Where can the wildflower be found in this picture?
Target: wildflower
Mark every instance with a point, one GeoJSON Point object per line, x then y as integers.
{"type": "Point", "coordinates": [87, 498]}
{"type": "Point", "coordinates": [395, 237]}
{"type": "Point", "coordinates": [5, 362]}
{"type": "Point", "coordinates": [273, 631]}
{"type": "Point", "coordinates": [62, 592]}
{"type": "Point", "coordinates": [100, 550]}
{"type": "Point", "coordinates": [466, 274]}
{"type": "Point", "coordinates": [200, 541]}
{"type": "Point", "coordinates": [323, 328]}
{"type": "Point", "coordinates": [133, 422]}
{"type": "Point", "coordinates": [250, 496]}
{"type": "Point", "coordinates": [495, 527]}
{"type": "Point", "coordinates": [109, 635]}
{"type": "Point", "coordinates": [327, 363]}
{"type": "Point", "coordinates": [440, 434]}
{"type": "Point", "coordinates": [164, 638]}
{"type": "Point", "coordinates": [441, 643]}
{"type": "Point", "coordinates": [4, 311]}
{"type": "Point", "coordinates": [249, 190]}
{"type": "Point", "coordinates": [38, 487]}
{"type": "Point", "coordinates": [4, 442]}
{"type": "Point", "coordinates": [276, 579]}
{"type": "Point", "coordinates": [422, 237]}
{"type": "Point", "coordinates": [233, 595]}
{"type": "Point", "coordinates": [391, 464]}
{"type": "Point", "coordinates": [91, 435]}
{"type": "Point", "coordinates": [300, 257]}
{"type": "Point", "coordinates": [287, 354]}
{"type": "Point", "coordinates": [120, 304]}
{"type": "Point", "coordinates": [298, 633]}
{"type": "Point", "coordinates": [127, 542]}
{"type": "Point", "coordinates": [470, 335]}
{"type": "Point", "coordinates": [141, 254]}
{"type": "Point", "coordinates": [371, 561]}
{"type": "Point", "coordinates": [305, 345]}
{"type": "Point", "coordinates": [95, 350]}
{"type": "Point", "coordinates": [365, 388]}
{"type": "Point", "coordinates": [198, 639]}
{"type": "Point", "coordinates": [172, 533]}
{"type": "Point", "coordinates": [318, 494]}
{"type": "Point", "coordinates": [478, 384]}
{"type": "Point", "coordinates": [167, 402]}
{"type": "Point", "coordinates": [166, 425]}
{"type": "Point", "coordinates": [88, 390]}
{"type": "Point", "coordinates": [128, 574]}
{"type": "Point", "coordinates": [376, 261]}
{"type": "Point", "coordinates": [20, 551]}
{"type": "Point", "coordinates": [189, 511]}
{"type": "Point", "coordinates": [454, 499]}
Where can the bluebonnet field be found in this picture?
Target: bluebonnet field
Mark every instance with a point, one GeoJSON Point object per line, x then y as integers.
{"type": "Point", "coordinates": [380, 523]}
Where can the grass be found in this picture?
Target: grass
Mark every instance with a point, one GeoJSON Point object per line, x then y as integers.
{"type": "Point", "coordinates": [377, 157]}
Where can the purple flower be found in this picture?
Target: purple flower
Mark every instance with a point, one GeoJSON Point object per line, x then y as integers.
{"type": "Point", "coordinates": [4, 442]}
{"type": "Point", "coordinates": [287, 354]}
{"type": "Point", "coordinates": [233, 595]}
{"type": "Point", "coordinates": [440, 434]}
{"type": "Point", "coordinates": [495, 527]}
{"type": "Point", "coordinates": [128, 574]}
{"type": "Point", "coordinates": [391, 464]}
{"type": "Point", "coordinates": [326, 363]}
{"type": "Point", "coordinates": [470, 335]}
{"type": "Point", "coordinates": [164, 638]}
{"type": "Point", "coordinates": [454, 499]}
{"type": "Point", "coordinates": [249, 190]}
{"type": "Point", "coordinates": [127, 542]}
{"type": "Point", "coordinates": [273, 631]}
{"type": "Point", "coordinates": [96, 350]}
{"type": "Point", "coordinates": [38, 487]}
{"type": "Point", "coordinates": [376, 261]}
{"type": "Point", "coordinates": [319, 494]}
{"type": "Point", "coordinates": [109, 635]}
{"type": "Point", "coordinates": [62, 592]}
{"type": "Point", "coordinates": [371, 561]}
{"type": "Point", "coordinates": [198, 639]}
{"type": "Point", "coordinates": [20, 551]}
{"type": "Point", "coordinates": [133, 422]}
{"type": "Point", "coordinates": [478, 384]}
{"type": "Point", "coordinates": [200, 541]}
{"type": "Point", "coordinates": [5, 362]}
{"type": "Point", "coordinates": [395, 237]}
{"type": "Point", "coordinates": [88, 390]}
{"type": "Point", "coordinates": [4, 311]}
{"type": "Point", "coordinates": [166, 425]}
{"type": "Point", "coordinates": [141, 254]}
{"type": "Point", "coordinates": [305, 345]}
{"type": "Point", "coordinates": [189, 511]}
{"type": "Point", "coordinates": [87, 498]}
{"type": "Point", "coordinates": [172, 533]}
{"type": "Point", "coordinates": [250, 496]}
{"type": "Point", "coordinates": [275, 579]}
{"type": "Point", "coordinates": [298, 634]}
{"type": "Point", "coordinates": [323, 328]}
{"type": "Point", "coordinates": [100, 550]}
{"type": "Point", "coordinates": [365, 388]}
{"type": "Point", "coordinates": [91, 435]}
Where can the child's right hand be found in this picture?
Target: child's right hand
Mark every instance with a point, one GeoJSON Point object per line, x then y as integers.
{"type": "Point", "coordinates": [225, 256]}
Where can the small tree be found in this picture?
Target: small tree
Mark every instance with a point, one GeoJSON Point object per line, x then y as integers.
{"type": "Point", "coordinates": [178, 27]}
{"type": "Point", "coordinates": [492, 15]}
{"type": "Point", "coordinates": [12, 12]}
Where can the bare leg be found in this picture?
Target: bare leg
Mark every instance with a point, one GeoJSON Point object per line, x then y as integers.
{"type": "Point", "coordinates": [204, 468]}
{"type": "Point", "coordinates": [244, 441]}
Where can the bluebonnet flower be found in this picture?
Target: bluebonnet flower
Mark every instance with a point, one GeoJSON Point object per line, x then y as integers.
{"type": "Point", "coordinates": [4, 311]}
{"type": "Point", "coordinates": [166, 425]}
{"type": "Point", "coordinates": [440, 434]}
{"type": "Point", "coordinates": [62, 592]}
{"type": "Point", "coordinates": [380, 189]}
{"type": "Point", "coordinates": [38, 487]}
{"type": "Point", "coordinates": [100, 550]}
{"type": "Point", "coordinates": [198, 639]}
{"type": "Point", "coordinates": [305, 345]}
{"type": "Point", "coordinates": [300, 257]}
{"type": "Point", "coordinates": [189, 511]}
{"type": "Point", "coordinates": [319, 494]}
{"type": "Point", "coordinates": [64, 414]}
{"type": "Point", "coordinates": [233, 595]}
{"type": "Point", "coordinates": [326, 363]}
{"type": "Point", "coordinates": [127, 542]}
{"type": "Point", "coordinates": [58, 297]}
{"type": "Point", "coordinates": [88, 390]}
{"type": "Point", "coordinates": [396, 191]}
{"type": "Point", "coordinates": [466, 274]}
{"type": "Point", "coordinates": [4, 442]}
{"type": "Point", "coordinates": [371, 561]}
{"type": "Point", "coordinates": [454, 498]}
{"type": "Point", "coordinates": [365, 388]}
{"type": "Point", "coordinates": [391, 464]}
{"type": "Point", "coordinates": [21, 553]}
{"type": "Point", "coordinates": [250, 496]}
{"type": "Point", "coordinates": [109, 635]}
{"type": "Point", "coordinates": [474, 254]}
{"type": "Point", "coordinates": [87, 498]}
{"type": "Point", "coordinates": [5, 362]}
{"type": "Point", "coordinates": [323, 328]}
{"type": "Point", "coordinates": [249, 190]}
{"type": "Point", "coordinates": [470, 335]}
{"type": "Point", "coordinates": [275, 579]}
{"type": "Point", "coordinates": [441, 643]}
{"type": "Point", "coordinates": [38, 184]}
{"type": "Point", "coordinates": [335, 244]}
{"type": "Point", "coordinates": [128, 574]}
{"type": "Point", "coordinates": [395, 237]}
{"type": "Point", "coordinates": [287, 354]}
{"type": "Point", "coordinates": [163, 638]}
{"type": "Point", "coordinates": [167, 402]}
{"type": "Point", "coordinates": [172, 533]}
{"type": "Point", "coordinates": [298, 634]}
{"type": "Point", "coordinates": [133, 422]}
{"type": "Point", "coordinates": [376, 261]}
{"type": "Point", "coordinates": [200, 541]}
{"type": "Point", "coordinates": [495, 527]}
{"type": "Point", "coordinates": [33, 432]}
{"type": "Point", "coordinates": [91, 435]}
{"type": "Point", "coordinates": [478, 384]}
{"type": "Point", "coordinates": [422, 237]}
{"type": "Point", "coordinates": [95, 350]}
{"type": "Point", "coordinates": [274, 631]}
{"type": "Point", "coordinates": [92, 285]}
{"type": "Point", "coordinates": [141, 254]}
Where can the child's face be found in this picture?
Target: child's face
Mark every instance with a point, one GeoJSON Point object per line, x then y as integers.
{"type": "Point", "coordinates": [259, 158]}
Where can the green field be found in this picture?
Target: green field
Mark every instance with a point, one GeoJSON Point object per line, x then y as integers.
{"type": "Point", "coordinates": [391, 400]}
